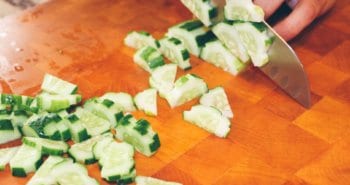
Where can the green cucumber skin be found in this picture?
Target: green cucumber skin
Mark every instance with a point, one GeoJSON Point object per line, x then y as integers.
{"type": "Point", "coordinates": [18, 172]}
{"type": "Point", "coordinates": [142, 126]}
{"type": "Point", "coordinates": [190, 26]}
{"type": "Point", "coordinates": [6, 124]}
{"type": "Point", "coordinates": [107, 103]}
{"type": "Point", "coordinates": [125, 120]}
{"type": "Point", "coordinates": [156, 143]}
{"type": "Point", "coordinates": [185, 54]}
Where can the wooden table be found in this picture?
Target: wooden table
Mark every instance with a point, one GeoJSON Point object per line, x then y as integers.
{"type": "Point", "coordinates": [273, 141]}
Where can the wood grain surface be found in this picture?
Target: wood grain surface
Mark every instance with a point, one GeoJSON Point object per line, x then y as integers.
{"type": "Point", "coordinates": [274, 140]}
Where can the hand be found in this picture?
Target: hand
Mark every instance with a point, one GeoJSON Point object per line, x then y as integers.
{"type": "Point", "coordinates": [304, 12]}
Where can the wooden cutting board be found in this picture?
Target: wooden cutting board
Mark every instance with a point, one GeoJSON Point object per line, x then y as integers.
{"type": "Point", "coordinates": [273, 141]}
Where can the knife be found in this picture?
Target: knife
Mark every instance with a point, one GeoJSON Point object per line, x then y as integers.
{"type": "Point", "coordinates": [284, 67]}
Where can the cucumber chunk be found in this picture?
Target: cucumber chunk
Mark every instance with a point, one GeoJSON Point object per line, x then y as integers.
{"type": "Point", "coordinates": [56, 103]}
{"type": "Point", "coordinates": [6, 155]}
{"type": "Point", "coordinates": [93, 124]}
{"type": "Point", "coordinates": [243, 10]}
{"type": "Point", "coordinates": [163, 79]}
{"type": "Point", "coordinates": [147, 101]}
{"type": "Point", "coordinates": [99, 147]}
{"type": "Point", "coordinates": [217, 98]}
{"type": "Point", "coordinates": [46, 146]}
{"type": "Point", "coordinates": [176, 52]}
{"type": "Point", "coordinates": [26, 160]}
{"type": "Point", "coordinates": [121, 99]}
{"type": "Point", "coordinates": [139, 39]}
{"type": "Point", "coordinates": [8, 131]}
{"type": "Point", "coordinates": [142, 180]}
{"type": "Point", "coordinates": [55, 85]}
{"type": "Point", "coordinates": [148, 58]}
{"type": "Point", "coordinates": [204, 10]}
{"type": "Point", "coordinates": [78, 131]}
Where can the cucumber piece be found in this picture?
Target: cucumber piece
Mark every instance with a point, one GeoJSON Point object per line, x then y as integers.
{"type": "Point", "coordinates": [56, 103]}
{"type": "Point", "coordinates": [142, 180]}
{"type": "Point", "coordinates": [139, 39]}
{"type": "Point", "coordinates": [217, 54]}
{"type": "Point", "coordinates": [42, 125]}
{"type": "Point", "coordinates": [26, 160]}
{"type": "Point", "coordinates": [217, 98]}
{"type": "Point", "coordinates": [78, 131]}
{"type": "Point", "coordinates": [17, 102]}
{"type": "Point", "coordinates": [229, 36]}
{"type": "Point", "coordinates": [204, 10]}
{"type": "Point", "coordinates": [19, 117]}
{"type": "Point", "coordinates": [193, 34]}
{"type": "Point", "coordinates": [147, 101]}
{"type": "Point", "coordinates": [55, 85]}
{"type": "Point", "coordinates": [209, 119]}
{"type": "Point", "coordinates": [62, 127]}
{"type": "Point", "coordinates": [93, 124]}
{"type": "Point", "coordinates": [121, 99]}
{"type": "Point", "coordinates": [139, 134]}
{"type": "Point", "coordinates": [175, 51]}
{"type": "Point", "coordinates": [46, 146]}
{"type": "Point", "coordinates": [163, 79]}
{"type": "Point", "coordinates": [256, 38]}
{"type": "Point", "coordinates": [8, 131]}
{"type": "Point", "coordinates": [186, 89]}
{"type": "Point", "coordinates": [244, 10]}
{"type": "Point", "coordinates": [99, 148]}
{"type": "Point", "coordinates": [6, 155]}
{"type": "Point", "coordinates": [148, 58]}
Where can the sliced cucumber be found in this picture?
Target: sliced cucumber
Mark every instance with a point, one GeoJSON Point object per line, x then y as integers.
{"type": "Point", "coordinates": [26, 160]}
{"type": "Point", "coordinates": [209, 119]}
{"type": "Point", "coordinates": [148, 58]}
{"type": "Point", "coordinates": [17, 102]}
{"type": "Point", "coordinates": [8, 131]}
{"type": "Point", "coordinates": [78, 131]}
{"type": "Point", "coordinates": [217, 98]}
{"type": "Point", "coordinates": [217, 54]}
{"type": "Point", "coordinates": [163, 79]}
{"type": "Point", "coordinates": [227, 34]}
{"type": "Point", "coordinates": [6, 155]}
{"type": "Point", "coordinates": [186, 89]}
{"type": "Point", "coordinates": [175, 51]}
{"type": "Point", "coordinates": [46, 146]}
{"type": "Point", "coordinates": [139, 39]}
{"type": "Point", "coordinates": [121, 99]}
{"type": "Point", "coordinates": [93, 124]}
{"type": "Point", "coordinates": [55, 85]}
{"type": "Point", "coordinates": [243, 10]}
{"type": "Point", "coordinates": [18, 117]}
{"type": "Point", "coordinates": [42, 125]}
{"type": "Point", "coordinates": [56, 103]}
{"type": "Point", "coordinates": [193, 34]}
{"type": "Point", "coordinates": [142, 180]}
{"type": "Point", "coordinates": [147, 101]}
{"type": "Point", "coordinates": [99, 148]}
{"type": "Point", "coordinates": [204, 10]}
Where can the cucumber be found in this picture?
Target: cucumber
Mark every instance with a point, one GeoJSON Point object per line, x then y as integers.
{"type": "Point", "coordinates": [93, 124]}
{"type": "Point", "coordinates": [217, 54]}
{"type": "Point", "coordinates": [17, 102]}
{"type": "Point", "coordinates": [139, 39]}
{"type": "Point", "coordinates": [26, 160]}
{"type": "Point", "coordinates": [142, 180]}
{"type": "Point", "coordinates": [62, 127]}
{"type": "Point", "coordinates": [55, 85]}
{"type": "Point", "coordinates": [46, 146]}
{"type": "Point", "coordinates": [148, 58]}
{"type": "Point", "coordinates": [204, 10]}
{"type": "Point", "coordinates": [147, 101]}
{"type": "Point", "coordinates": [139, 134]}
{"type": "Point", "coordinates": [6, 155]}
{"type": "Point", "coordinates": [121, 99]}
{"type": "Point", "coordinates": [56, 103]}
{"type": "Point", "coordinates": [186, 89]}
{"type": "Point", "coordinates": [229, 36]}
{"type": "Point", "coordinates": [18, 117]}
{"type": "Point", "coordinates": [99, 147]}
{"type": "Point", "coordinates": [8, 131]}
{"type": "Point", "coordinates": [176, 52]}
{"type": "Point", "coordinates": [163, 79]}
{"type": "Point", "coordinates": [217, 98]}
{"type": "Point", "coordinates": [78, 131]}
{"type": "Point", "coordinates": [209, 119]}
{"type": "Point", "coordinates": [193, 34]}
{"type": "Point", "coordinates": [243, 10]}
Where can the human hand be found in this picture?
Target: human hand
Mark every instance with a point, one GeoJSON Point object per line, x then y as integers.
{"type": "Point", "coordinates": [304, 12]}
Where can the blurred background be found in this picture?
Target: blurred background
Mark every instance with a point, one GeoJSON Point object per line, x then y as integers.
{"type": "Point", "coordinates": [8, 7]}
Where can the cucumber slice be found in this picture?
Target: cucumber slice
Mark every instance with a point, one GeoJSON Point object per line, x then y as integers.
{"type": "Point", "coordinates": [193, 34]}
{"type": "Point", "coordinates": [17, 102]}
{"type": "Point", "coordinates": [148, 58]}
{"type": "Point", "coordinates": [55, 85]}
{"type": "Point", "coordinates": [243, 10]}
{"type": "Point", "coordinates": [209, 119]}
{"type": "Point", "coordinates": [217, 54]}
{"type": "Point", "coordinates": [6, 155]}
{"type": "Point", "coordinates": [217, 98]}
{"type": "Point", "coordinates": [99, 148]}
{"type": "Point", "coordinates": [93, 124]}
{"type": "Point", "coordinates": [163, 79]}
{"type": "Point", "coordinates": [142, 180]}
{"type": "Point", "coordinates": [121, 99]}
{"type": "Point", "coordinates": [18, 117]}
{"type": "Point", "coordinates": [204, 10]}
{"type": "Point", "coordinates": [147, 101]}
{"type": "Point", "coordinates": [186, 89]}
{"type": "Point", "coordinates": [227, 34]}
{"type": "Point", "coordinates": [78, 131]}
{"type": "Point", "coordinates": [8, 131]}
{"type": "Point", "coordinates": [46, 146]}
{"type": "Point", "coordinates": [26, 160]}
{"type": "Point", "coordinates": [139, 39]}
{"type": "Point", "coordinates": [56, 103]}
{"type": "Point", "coordinates": [176, 52]}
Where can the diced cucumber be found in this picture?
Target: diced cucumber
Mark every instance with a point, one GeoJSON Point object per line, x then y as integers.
{"type": "Point", "coordinates": [175, 51]}
{"type": "Point", "coordinates": [62, 127]}
{"type": "Point", "coordinates": [18, 117]}
{"type": "Point", "coordinates": [8, 131]}
{"type": "Point", "coordinates": [217, 98]}
{"type": "Point", "coordinates": [46, 146]}
{"type": "Point", "coordinates": [209, 119]}
{"type": "Point", "coordinates": [42, 125]}
{"type": "Point", "coordinates": [78, 131]}
{"type": "Point", "coordinates": [186, 88]}
{"type": "Point", "coordinates": [6, 155]}
{"type": "Point", "coordinates": [56, 103]}
{"type": "Point", "coordinates": [17, 102]}
{"type": "Point", "coordinates": [99, 148]}
{"type": "Point", "coordinates": [243, 10]}
{"type": "Point", "coordinates": [193, 34]}
{"type": "Point", "coordinates": [147, 101]}
{"type": "Point", "coordinates": [55, 85]}
{"type": "Point", "coordinates": [227, 34]}
{"type": "Point", "coordinates": [148, 58]}
{"type": "Point", "coordinates": [217, 54]}
{"type": "Point", "coordinates": [142, 180]}
{"type": "Point", "coordinates": [139, 39]}
{"type": "Point", "coordinates": [121, 99]}
{"type": "Point", "coordinates": [26, 160]}
{"type": "Point", "coordinates": [204, 10]}
{"type": "Point", "coordinates": [93, 124]}
{"type": "Point", "coordinates": [163, 79]}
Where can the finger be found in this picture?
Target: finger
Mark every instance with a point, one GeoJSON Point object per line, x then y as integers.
{"type": "Point", "coordinates": [269, 7]}
{"type": "Point", "coordinates": [303, 14]}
